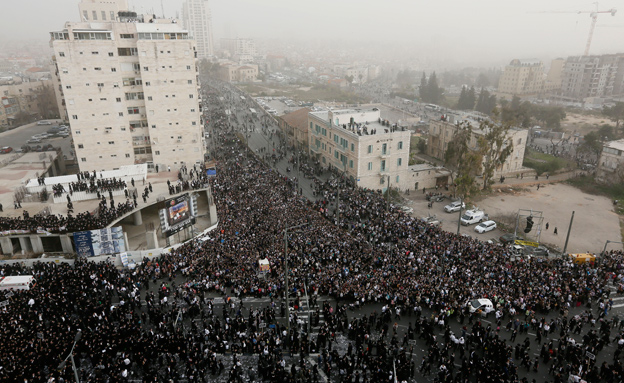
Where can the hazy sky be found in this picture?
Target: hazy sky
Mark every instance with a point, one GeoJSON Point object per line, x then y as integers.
{"type": "Point", "coordinates": [492, 30]}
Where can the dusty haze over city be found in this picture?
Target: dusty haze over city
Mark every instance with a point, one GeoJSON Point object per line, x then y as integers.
{"type": "Point", "coordinates": [453, 33]}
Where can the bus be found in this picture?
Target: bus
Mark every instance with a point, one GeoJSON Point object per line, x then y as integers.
{"type": "Point", "coordinates": [432, 107]}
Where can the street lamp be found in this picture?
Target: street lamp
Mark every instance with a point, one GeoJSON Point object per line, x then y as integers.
{"type": "Point", "coordinates": [61, 366]}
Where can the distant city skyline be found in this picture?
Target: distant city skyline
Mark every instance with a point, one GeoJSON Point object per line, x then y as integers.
{"type": "Point", "coordinates": [486, 33]}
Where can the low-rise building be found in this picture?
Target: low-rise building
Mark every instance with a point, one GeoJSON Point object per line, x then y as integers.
{"type": "Point", "coordinates": [369, 150]}
{"type": "Point", "coordinates": [441, 133]}
{"type": "Point", "coordinates": [238, 73]}
{"type": "Point", "coordinates": [611, 165]}
{"type": "Point", "coordinates": [295, 125]}
{"type": "Point", "coordinates": [34, 99]}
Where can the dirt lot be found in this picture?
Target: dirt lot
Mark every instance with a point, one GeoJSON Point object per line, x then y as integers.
{"type": "Point", "coordinates": [595, 222]}
{"type": "Point", "coordinates": [583, 124]}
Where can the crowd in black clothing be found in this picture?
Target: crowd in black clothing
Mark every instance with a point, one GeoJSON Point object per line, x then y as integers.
{"type": "Point", "coordinates": [98, 185]}
{"type": "Point", "coordinates": [374, 254]}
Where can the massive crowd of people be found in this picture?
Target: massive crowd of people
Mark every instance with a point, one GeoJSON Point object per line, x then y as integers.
{"type": "Point", "coordinates": [142, 325]}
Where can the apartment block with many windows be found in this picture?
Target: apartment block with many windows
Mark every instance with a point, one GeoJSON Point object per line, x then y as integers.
{"type": "Point", "coordinates": [130, 89]}
{"type": "Point", "coordinates": [368, 149]}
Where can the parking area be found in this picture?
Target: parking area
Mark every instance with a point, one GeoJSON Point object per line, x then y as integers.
{"type": "Point", "coordinates": [18, 137]}
{"type": "Point", "coordinates": [595, 221]}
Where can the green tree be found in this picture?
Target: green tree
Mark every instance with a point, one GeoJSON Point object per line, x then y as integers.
{"type": "Point", "coordinates": [483, 80]}
{"type": "Point", "coordinates": [423, 89]}
{"type": "Point", "coordinates": [434, 92]}
{"type": "Point", "coordinates": [485, 102]}
{"type": "Point", "coordinates": [494, 147]}
{"type": "Point", "coordinates": [549, 116]}
{"type": "Point", "coordinates": [463, 163]}
{"type": "Point", "coordinates": [462, 99]}
{"type": "Point", "coordinates": [466, 99]}
{"type": "Point", "coordinates": [591, 143]}
{"type": "Point", "coordinates": [607, 133]}
{"type": "Point", "coordinates": [615, 113]}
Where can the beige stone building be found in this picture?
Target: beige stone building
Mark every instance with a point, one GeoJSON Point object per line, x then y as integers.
{"type": "Point", "coordinates": [592, 76]}
{"type": "Point", "coordinates": [368, 149]}
{"type": "Point", "coordinates": [442, 132]}
{"type": "Point", "coordinates": [130, 88]}
{"type": "Point", "coordinates": [34, 98]}
{"type": "Point", "coordinates": [611, 165]}
{"type": "Point", "coordinates": [522, 77]}
{"type": "Point", "coordinates": [295, 125]}
{"type": "Point", "coordinates": [238, 73]}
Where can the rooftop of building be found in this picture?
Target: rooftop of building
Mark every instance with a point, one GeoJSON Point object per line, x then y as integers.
{"type": "Point", "coordinates": [525, 62]}
{"type": "Point", "coordinates": [297, 119]}
{"type": "Point", "coordinates": [360, 129]}
{"type": "Point", "coordinates": [619, 144]}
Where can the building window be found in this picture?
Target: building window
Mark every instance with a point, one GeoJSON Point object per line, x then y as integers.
{"type": "Point", "coordinates": [113, 69]}
{"type": "Point", "coordinates": [111, 142]}
{"type": "Point", "coordinates": [127, 155]}
{"type": "Point", "coordinates": [351, 164]}
{"type": "Point", "coordinates": [94, 15]}
{"type": "Point", "coordinates": [77, 131]}
{"type": "Point", "coordinates": [370, 149]}
{"type": "Point", "coordinates": [370, 166]}
{"type": "Point", "coordinates": [384, 149]}
{"type": "Point", "coordinates": [157, 152]}
{"type": "Point", "coordinates": [80, 146]}
{"type": "Point", "coordinates": [97, 68]}
{"type": "Point", "coordinates": [149, 98]}
{"type": "Point", "coordinates": [74, 116]}
{"type": "Point", "coordinates": [95, 53]}
{"type": "Point", "coordinates": [83, 159]}
{"type": "Point", "coordinates": [397, 179]}
{"type": "Point", "coordinates": [399, 161]}
{"type": "Point", "coordinates": [383, 165]}
{"type": "Point", "coordinates": [146, 68]}
{"type": "Point", "coordinates": [62, 54]}
{"type": "Point", "coordinates": [188, 67]}
{"type": "Point", "coordinates": [68, 87]}
{"type": "Point", "coordinates": [85, 15]}
{"type": "Point", "coordinates": [190, 82]}
{"type": "Point", "coordinates": [190, 96]}
{"type": "Point", "coordinates": [400, 145]}
{"type": "Point", "coordinates": [118, 99]}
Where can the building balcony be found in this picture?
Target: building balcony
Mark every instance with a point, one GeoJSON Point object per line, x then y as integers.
{"type": "Point", "coordinates": [384, 155]}
{"type": "Point", "coordinates": [315, 149]}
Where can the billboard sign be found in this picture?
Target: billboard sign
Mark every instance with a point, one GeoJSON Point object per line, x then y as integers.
{"type": "Point", "coordinates": [177, 214]}
{"type": "Point", "coordinates": [99, 242]}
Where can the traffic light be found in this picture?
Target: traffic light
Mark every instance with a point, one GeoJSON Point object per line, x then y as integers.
{"type": "Point", "coordinates": [529, 224]}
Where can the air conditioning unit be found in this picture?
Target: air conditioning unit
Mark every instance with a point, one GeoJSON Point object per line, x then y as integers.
{"type": "Point", "coordinates": [178, 140]}
{"type": "Point", "coordinates": [142, 116]}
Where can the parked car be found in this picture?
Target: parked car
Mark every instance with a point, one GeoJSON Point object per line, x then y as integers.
{"type": "Point", "coordinates": [407, 209]}
{"type": "Point", "coordinates": [44, 123]}
{"type": "Point", "coordinates": [6, 149]}
{"type": "Point", "coordinates": [454, 206]}
{"type": "Point", "coordinates": [539, 251]}
{"type": "Point", "coordinates": [33, 141]}
{"type": "Point", "coordinates": [485, 226]}
{"type": "Point", "coordinates": [508, 238]}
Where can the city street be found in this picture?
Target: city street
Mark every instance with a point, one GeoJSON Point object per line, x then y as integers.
{"type": "Point", "coordinates": [17, 137]}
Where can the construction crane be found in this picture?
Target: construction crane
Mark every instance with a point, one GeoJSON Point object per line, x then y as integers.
{"type": "Point", "coordinates": [594, 16]}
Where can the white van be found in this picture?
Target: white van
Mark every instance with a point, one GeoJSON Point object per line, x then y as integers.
{"type": "Point", "coordinates": [20, 282]}
{"type": "Point", "coordinates": [473, 216]}
{"type": "Point", "coordinates": [484, 305]}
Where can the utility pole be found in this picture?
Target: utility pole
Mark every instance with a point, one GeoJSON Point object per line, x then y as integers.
{"type": "Point", "coordinates": [565, 247]}
{"type": "Point", "coordinates": [461, 203]}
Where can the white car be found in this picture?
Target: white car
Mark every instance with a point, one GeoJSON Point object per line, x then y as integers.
{"type": "Point", "coordinates": [407, 209]}
{"type": "Point", "coordinates": [485, 226]}
{"type": "Point", "coordinates": [454, 206]}
{"type": "Point", "coordinates": [484, 305]}
{"type": "Point", "coordinates": [44, 123]}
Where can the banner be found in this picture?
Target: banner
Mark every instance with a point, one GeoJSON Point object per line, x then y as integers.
{"type": "Point", "coordinates": [99, 242]}
{"type": "Point", "coordinates": [526, 243]}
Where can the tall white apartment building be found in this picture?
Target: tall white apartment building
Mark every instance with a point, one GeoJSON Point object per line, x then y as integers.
{"type": "Point", "coordinates": [241, 50]}
{"type": "Point", "coordinates": [198, 21]}
{"type": "Point", "coordinates": [522, 77]}
{"type": "Point", "coordinates": [130, 88]}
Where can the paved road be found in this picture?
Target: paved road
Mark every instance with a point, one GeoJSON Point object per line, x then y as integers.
{"type": "Point", "coordinates": [17, 137]}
